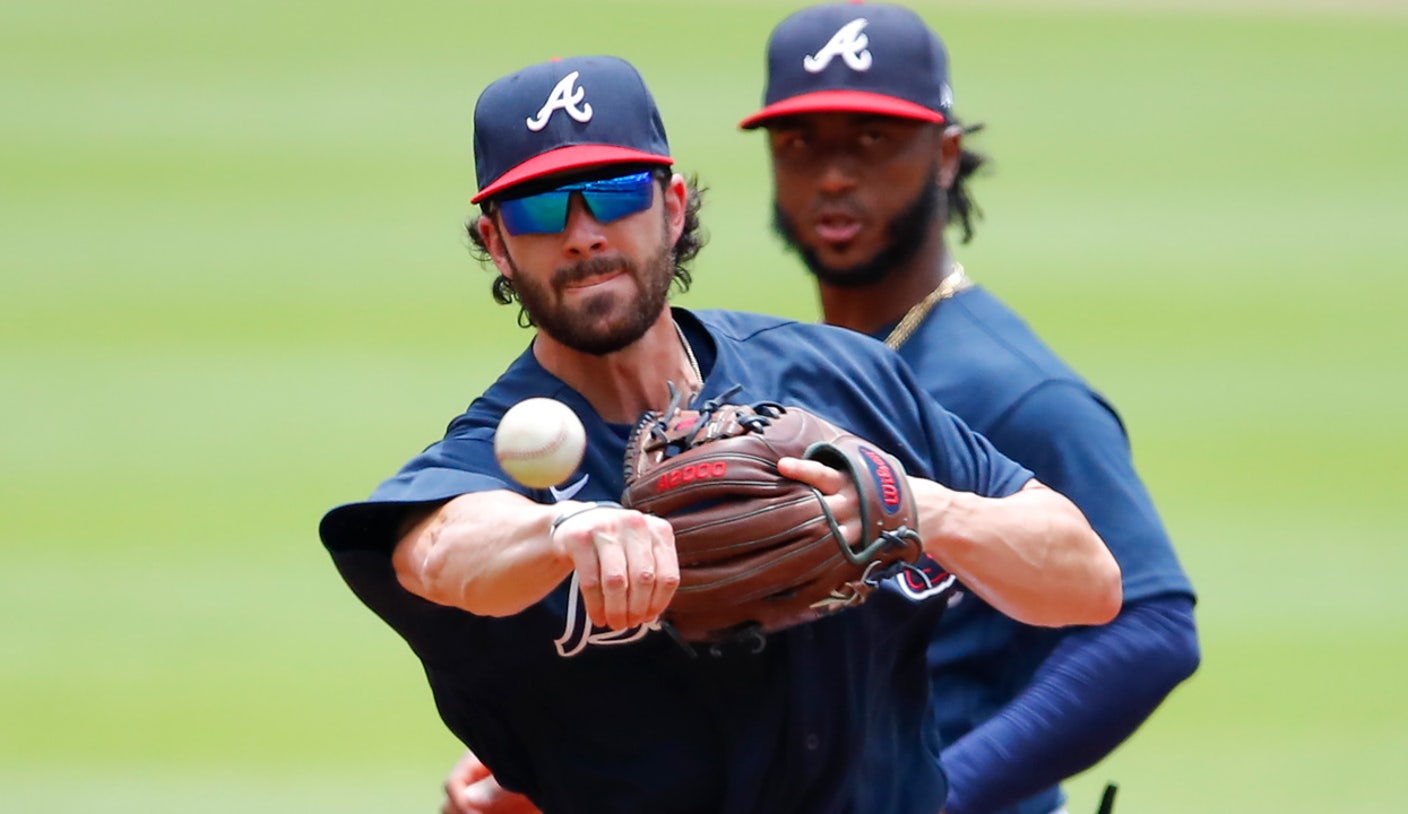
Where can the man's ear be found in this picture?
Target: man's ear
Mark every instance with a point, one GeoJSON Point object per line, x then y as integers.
{"type": "Point", "coordinates": [493, 240]}
{"type": "Point", "coordinates": [950, 150]}
{"type": "Point", "coordinates": [676, 205]}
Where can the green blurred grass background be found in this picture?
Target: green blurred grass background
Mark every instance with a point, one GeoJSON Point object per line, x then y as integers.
{"type": "Point", "coordinates": [233, 292]}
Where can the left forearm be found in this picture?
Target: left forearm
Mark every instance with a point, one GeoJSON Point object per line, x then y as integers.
{"type": "Point", "coordinates": [1031, 555]}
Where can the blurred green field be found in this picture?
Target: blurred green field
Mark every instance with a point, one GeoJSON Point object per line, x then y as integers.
{"type": "Point", "coordinates": [233, 292]}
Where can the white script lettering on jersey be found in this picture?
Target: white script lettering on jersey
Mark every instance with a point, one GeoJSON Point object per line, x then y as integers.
{"type": "Point", "coordinates": [578, 631]}
{"type": "Point", "coordinates": [847, 43]}
{"type": "Point", "coordinates": [565, 98]}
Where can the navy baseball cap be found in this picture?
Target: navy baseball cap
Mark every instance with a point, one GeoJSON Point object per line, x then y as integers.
{"type": "Point", "coordinates": [855, 58]}
{"type": "Point", "coordinates": [562, 115]}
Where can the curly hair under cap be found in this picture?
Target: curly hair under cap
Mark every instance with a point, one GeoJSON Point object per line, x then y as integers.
{"type": "Point", "coordinates": [692, 239]}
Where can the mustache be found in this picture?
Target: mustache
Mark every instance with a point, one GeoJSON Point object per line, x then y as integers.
{"type": "Point", "coordinates": [843, 207]}
{"type": "Point", "coordinates": [591, 267]}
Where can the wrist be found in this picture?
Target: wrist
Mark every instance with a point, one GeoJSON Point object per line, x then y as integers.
{"type": "Point", "coordinates": [937, 506]}
{"type": "Point", "coordinates": [572, 508]}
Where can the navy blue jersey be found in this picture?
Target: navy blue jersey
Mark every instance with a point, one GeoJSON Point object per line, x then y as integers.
{"type": "Point", "coordinates": [827, 717]}
{"type": "Point", "coordinates": [980, 360]}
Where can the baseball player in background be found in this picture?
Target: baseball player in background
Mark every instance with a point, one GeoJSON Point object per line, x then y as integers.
{"type": "Point", "coordinates": [534, 611]}
{"type": "Point", "coordinates": [868, 168]}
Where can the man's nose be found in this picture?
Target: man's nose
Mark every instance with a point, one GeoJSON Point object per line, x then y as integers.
{"type": "Point", "coordinates": [837, 173]}
{"type": "Point", "coordinates": [583, 235]}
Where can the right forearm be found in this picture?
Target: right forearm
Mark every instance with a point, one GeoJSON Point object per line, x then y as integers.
{"type": "Point", "coordinates": [489, 553]}
{"type": "Point", "coordinates": [1031, 555]}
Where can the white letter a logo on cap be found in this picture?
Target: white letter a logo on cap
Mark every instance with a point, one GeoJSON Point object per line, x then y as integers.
{"type": "Point", "coordinates": [565, 98]}
{"type": "Point", "coordinates": [847, 43]}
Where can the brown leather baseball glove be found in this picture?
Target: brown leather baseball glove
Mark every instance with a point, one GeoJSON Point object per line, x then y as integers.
{"type": "Point", "coordinates": [759, 552]}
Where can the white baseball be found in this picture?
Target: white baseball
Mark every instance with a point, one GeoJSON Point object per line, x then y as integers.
{"type": "Point", "coordinates": [539, 442]}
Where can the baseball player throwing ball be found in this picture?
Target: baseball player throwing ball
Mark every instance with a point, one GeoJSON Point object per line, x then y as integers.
{"type": "Point", "coordinates": [602, 644]}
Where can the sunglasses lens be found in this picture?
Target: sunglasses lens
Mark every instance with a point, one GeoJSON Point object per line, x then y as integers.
{"type": "Point", "coordinates": [615, 198]}
{"type": "Point", "coordinates": [608, 199]}
{"type": "Point", "coordinates": [543, 214]}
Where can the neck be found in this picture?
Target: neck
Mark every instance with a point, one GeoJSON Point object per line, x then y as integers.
{"type": "Point", "coordinates": [626, 383]}
{"type": "Point", "coordinates": [869, 308]}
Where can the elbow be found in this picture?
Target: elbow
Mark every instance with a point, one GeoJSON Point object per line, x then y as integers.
{"type": "Point", "coordinates": [1094, 599]}
{"type": "Point", "coordinates": [1159, 639]}
{"type": "Point", "coordinates": [1180, 654]}
{"type": "Point", "coordinates": [433, 574]}
{"type": "Point", "coordinates": [1107, 591]}
{"type": "Point", "coordinates": [1191, 657]}
{"type": "Point", "coordinates": [421, 569]}
{"type": "Point", "coordinates": [1101, 588]}
{"type": "Point", "coordinates": [435, 560]}
{"type": "Point", "coordinates": [1096, 602]}
{"type": "Point", "coordinates": [1181, 661]}
{"type": "Point", "coordinates": [1097, 585]}
{"type": "Point", "coordinates": [425, 566]}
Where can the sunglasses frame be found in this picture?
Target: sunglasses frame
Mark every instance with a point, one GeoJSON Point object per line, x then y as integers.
{"type": "Point", "coordinates": [607, 199]}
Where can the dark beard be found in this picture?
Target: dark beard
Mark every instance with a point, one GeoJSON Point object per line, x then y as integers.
{"type": "Point", "coordinates": [905, 232]}
{"type": "Point", "coordinates": [584, 330]}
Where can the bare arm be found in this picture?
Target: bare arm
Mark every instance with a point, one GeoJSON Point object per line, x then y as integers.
{"type": "Point", "coordinates": [488, 553]}
{"type": "Point", "coordinates": [496, 553]}
{"type": "Point", "coordinates": [1031, 555]}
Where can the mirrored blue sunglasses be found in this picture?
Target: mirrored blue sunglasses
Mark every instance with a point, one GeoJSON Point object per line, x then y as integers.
{"type": "Point", "coordinates": [608, 199]}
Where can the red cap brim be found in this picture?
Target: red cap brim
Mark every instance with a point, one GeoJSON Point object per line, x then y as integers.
{"type": "Point", "coordinates": [842, 101]}
{"type": "Point", "coordinates": [574, 157]}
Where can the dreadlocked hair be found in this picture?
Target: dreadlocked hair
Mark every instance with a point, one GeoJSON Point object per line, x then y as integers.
{"type": "Point", "coordinates": [962, 209]}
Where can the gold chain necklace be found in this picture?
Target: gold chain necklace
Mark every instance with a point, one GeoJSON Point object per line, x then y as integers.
{"type": "Point", "coordinates": [955, 281]}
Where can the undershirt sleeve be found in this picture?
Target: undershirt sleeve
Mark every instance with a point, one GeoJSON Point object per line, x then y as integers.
{"type": "Point", "coordinates": [1097, 686]}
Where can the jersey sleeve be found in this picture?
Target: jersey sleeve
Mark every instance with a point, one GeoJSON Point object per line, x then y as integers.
{"type": "Point", "coordinates": [360, 538]}
{"type": "Point", "coordinates": [461, 463]}
{"type": "Point", "coordinates": [1074, 442]}
{"type": "Point", "coordinates": [960, 458]}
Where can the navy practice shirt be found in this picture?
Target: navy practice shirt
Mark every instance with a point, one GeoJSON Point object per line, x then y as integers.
{"type": "Point", "coordinates": [828, 717]}
{"type": "Point", "coordinates": [980, 360]}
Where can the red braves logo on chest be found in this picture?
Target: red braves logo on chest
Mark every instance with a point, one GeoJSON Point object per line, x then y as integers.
{"type": "Point", "coordinates": [689, 473]}
{"type": "Point", "coordinates": [884, 476]}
